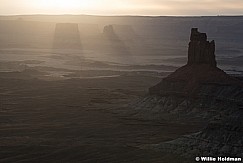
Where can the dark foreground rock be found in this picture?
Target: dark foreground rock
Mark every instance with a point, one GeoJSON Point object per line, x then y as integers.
{"type": "Point", "coordinates": [222, 137]}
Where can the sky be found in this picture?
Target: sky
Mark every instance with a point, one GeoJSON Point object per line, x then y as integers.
{"type": "Point", "coordinates": [123, 7]}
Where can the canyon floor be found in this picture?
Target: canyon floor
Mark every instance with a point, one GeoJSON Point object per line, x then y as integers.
{"type": "Point", "coordinates": [73, 120]}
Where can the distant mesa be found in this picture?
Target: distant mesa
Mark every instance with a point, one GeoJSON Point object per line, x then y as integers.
{"type": "Point", "coordinates": [67, 36]}
{"type": "Point", "coordinates": [201, 68]}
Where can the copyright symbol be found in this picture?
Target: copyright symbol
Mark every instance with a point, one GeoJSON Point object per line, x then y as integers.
{"type": "Point", "coordinates": [197, 159]}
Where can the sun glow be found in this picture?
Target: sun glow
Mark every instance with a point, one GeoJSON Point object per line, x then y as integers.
{"type": "Point", "coordinates": [122, 7]}
{"type": "Point", "coordinates": [66, 5]}
{"type": "Point", "coordinates": [80, 6]}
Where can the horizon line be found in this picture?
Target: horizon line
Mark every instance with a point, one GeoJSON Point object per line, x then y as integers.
{"type": "Point", "coordinates": [121, 15]}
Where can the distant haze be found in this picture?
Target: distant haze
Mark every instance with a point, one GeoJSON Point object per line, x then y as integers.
{"type": "Point", "coordinates": [123, 7]}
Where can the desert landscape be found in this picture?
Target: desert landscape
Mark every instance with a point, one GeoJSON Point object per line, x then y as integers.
{"type": "Point", "coordinates": [120, 88]}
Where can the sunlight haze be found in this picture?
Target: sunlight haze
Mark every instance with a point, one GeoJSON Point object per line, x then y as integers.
{"type": "Point", "coordinates": [122, 7]}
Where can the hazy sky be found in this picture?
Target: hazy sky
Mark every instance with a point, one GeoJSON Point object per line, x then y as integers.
{"type": "Point", "coordinates": [123, 7]}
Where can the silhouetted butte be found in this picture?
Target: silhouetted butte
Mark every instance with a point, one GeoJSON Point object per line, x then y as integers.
{"type": "Point", "coordinates": [201, 68]}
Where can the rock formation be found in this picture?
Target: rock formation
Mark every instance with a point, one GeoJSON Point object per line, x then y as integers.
{"type": "Point", "coordinates": [199, 91]}
{"type": "Point", "coordinates": [67, 36]}
{"type": "Point", "coordinates": [200, 69]}
{"type": "Point", "coordinates": [200, 50]}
